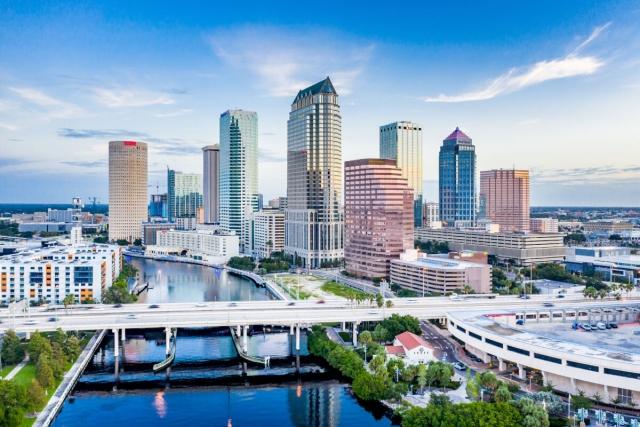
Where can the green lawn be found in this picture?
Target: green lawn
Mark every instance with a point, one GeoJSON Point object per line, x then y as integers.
{"type": "Point", "coordinates": [296, 292]}
{"type": "Point", "coordinates": [342, 290]}
{"type": "Point", "coordinates": [26, 375]}
{"type": "Point", "coordinates": [5, 370]}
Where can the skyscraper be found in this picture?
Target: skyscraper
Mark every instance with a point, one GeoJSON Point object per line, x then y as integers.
{"type": "Point", "coordinates": [314, 220]}
{"type": "Point", "coordinates": [184, 194]}
{"type": "Point", "coordinates": [458, 200]}
{"type": "Point", "coordinates": [378, 216]}
{"type": "Point", "coordinates": [504, 198]}
{"type": "Point", "coordinates": [402, 142]}
{"type": "Point", "coordinates": [127, 189]}
{"type": "Point", "coordinates": [238, 170]}
{"type": "Point", "coordinates": [211, 187]}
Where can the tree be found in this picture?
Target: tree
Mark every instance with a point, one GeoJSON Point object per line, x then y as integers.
{"type": "Point", "coordinates": [68, 300]}
{"type": "Point", "coordinates": [533, 415]}
{"type": "Point", "coordinates": [380, 333]}
{"type": "Point", "coordinates": [488, 380]}
{"type": "Point", "coordinates": [502, 394]}
{"type": "Point", "coordinates": [389, 303]}
{"type": "Point", "coordinates": [590, 292]}
{"type": "Point", "coordinates": [365, 338]}
{"type": "Point", "coordinates": [379, 300]}
{"type": "Point", "coordinates": [122, 242]}
{"type": "Point", "coordinates": [35, 396]}
{"type": "Point", "coordinates": [12, 348]}
{"type": "Point", "coordinates": [38, 345]}
{"type": "Point", "coordinates": [422, 376]}
{"type": "Point", "coordinates": [44, 373]}
{"type": "Point", "coordinates": [12, 404]}
{"type": "Point", "coordinates": [72, 348]}
{"type": "Point", "coordinates": [242, 263]}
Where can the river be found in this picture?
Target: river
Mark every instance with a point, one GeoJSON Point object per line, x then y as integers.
{"type": "Point", "coordinates": [208, 386]}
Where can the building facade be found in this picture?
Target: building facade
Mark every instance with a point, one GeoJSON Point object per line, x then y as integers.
{"type": "Point", "coordinates": [159, 206]}
{"type": "Point", "coordinates": [431, 215]}
{"type": "Point", "coordinates": [150, 230]}
{"type": "Point", "coordinates": [314, 222]}
{"type": "Point", "coordinates": [127, 189]}
{"type": "Point", "coordinates": [504, 198]}
{"type": "Point", "coordinates": [50, 274]}
{"type": "Point", "coordinates": [184, 192]}
{"type": "Point", "coordinates": [402, 142]}
{"type": "Point", "coordinates": [215, 246]}
{"type": "Point", "coordinates": [238, 169]}
{"type": "Point", "coordinates": [211, 186]}
{"type": "Point", "coordinates": [268, 232]}
{"type": "Point", "coordinates": [378, 216]}
{"type": "Point", "coordinates": [544, 225]}
{"type": "Point", "coordinates": [457, 180]}
{"type": "Point", "coordinates": [523, 249]}
{"type": "Point", "coordinates": [426, 275]}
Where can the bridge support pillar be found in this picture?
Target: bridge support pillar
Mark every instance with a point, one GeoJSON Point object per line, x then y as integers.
{"type": "Point", "coordinates": [522, 374]}
{"type": "Point", "coordinates": [245, 344]}
{"type": "Point", "coordinates": [344, 326]}
{"type": "Point", "coordinates": [297, 338]}
{"type": "Point", "coordinates": [354, 334]}
{"type": "Point", "coordinates": [238, 331]}
{"type": "Point", "coordinates": [116, 344]}
{"type": "Point", "coordinates": [291, 329]}
{"type": "Point", "coordinates": [123, 335]}
{"type": "Point", "coordinates": [167, 341]}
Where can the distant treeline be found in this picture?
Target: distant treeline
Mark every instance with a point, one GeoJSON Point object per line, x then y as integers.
{"type": "Point", "coordinates": [11, 208]}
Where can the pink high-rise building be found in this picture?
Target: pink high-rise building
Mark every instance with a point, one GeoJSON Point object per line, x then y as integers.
{"type": "Point", "coordinates": [504, 198]}
{"type": "Point", "coordinates": [378, 216]}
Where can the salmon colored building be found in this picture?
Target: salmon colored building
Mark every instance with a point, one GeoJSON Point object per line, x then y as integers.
{"type": "Point", "coordinates": [504, 198]}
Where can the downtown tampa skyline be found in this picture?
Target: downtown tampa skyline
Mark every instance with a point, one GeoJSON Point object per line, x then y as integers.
{"type": "Point", "coordinates": [545, 86]}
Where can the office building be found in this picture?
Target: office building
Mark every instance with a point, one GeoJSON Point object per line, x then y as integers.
{"type": "Point", "coordinates": [378, 216]}
{"type": "Point", "coordinates": [520, 248]}
{"type": "Point", "coordinates": [64, 215]}
{"type": "Point", "coordinates": [402, 142]}
{"type": "Point", "coordinates": [184, 192]}
{"type": "Point", "coordinates": [267, 232]}
{"type": "Point", "coordinates": [426, 274]}
{"type": "Point", "coordinates": [238, 170]}
{"type": "Point", "coordinates": [45, 227]}
{"type": "Point", "coordinates": [278, 203]}
{"type": "Point", "coordinates": [50, 274]}
{"type": "Point", "coordinates": [606, 228]}
{"type": "Point", "coordinates": [544, 225]}
{"type": "Point", "coordinates": [158, 206]}
{"type": "Point", "coordinates": [211, 186]}
{"type": "Point", "coordinates": [207, 244]}
{"type": "Point", "coordinates": [504, 198]}
{"type": "Point", "coordinates": [457, 180]}
{"type": "Point", "coordinates": [610, 262]}
{"type": "Point", "coordinates": [431, 215]}
{"type": "Point", "coordinates": [127, 189]}
{"type": "Point", "coordinates": [314, 223]}
{"type": "Point", "coordinates": [150, 229]}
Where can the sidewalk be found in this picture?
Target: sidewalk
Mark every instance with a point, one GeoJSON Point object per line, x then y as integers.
{"type": "Point", "coordinates": [17, 369]}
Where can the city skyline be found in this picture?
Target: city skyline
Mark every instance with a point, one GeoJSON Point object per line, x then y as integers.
{"type": "Point", "coordinates": [537, 91]}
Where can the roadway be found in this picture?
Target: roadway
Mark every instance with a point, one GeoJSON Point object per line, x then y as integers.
{"type": "Point", "coordinates": [219, 314]}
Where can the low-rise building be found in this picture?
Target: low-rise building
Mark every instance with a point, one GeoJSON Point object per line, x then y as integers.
{"type": "Point", "coordinates": [612, 263]}
{"type": "Point", "coordinates": [411, 348]}
{"type": "Point", "coordinates": [441, 274]}
{"type": "Point", "coordinates": [267, 233]}
{"type": "Point", "coordinates": [521, 248]}
{"type": "Point", "coordinates": [50, 274]}
{"type": "Point", "coordinates": [45, 227]}
{"type": "Point", "coordinates": [544, 225]}
{"type": "Point", "coordinates": [606, 227]}
{"type": "Point", "coordinates": [207, 243]}
{"type": "Point", "coordinates": [150, 230]}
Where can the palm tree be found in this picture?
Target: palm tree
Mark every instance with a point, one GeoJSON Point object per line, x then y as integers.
{"type": "Point", "coordinates": [590, 292]}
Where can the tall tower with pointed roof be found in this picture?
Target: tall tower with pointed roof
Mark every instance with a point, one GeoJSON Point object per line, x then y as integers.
{"type": "Point", "coordinates": [314, 219]}
{"type": "Point", "coordinates": [457, 180]}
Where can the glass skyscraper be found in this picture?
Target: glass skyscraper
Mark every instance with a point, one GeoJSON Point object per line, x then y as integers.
{"type": "Point", "coordinates": [458, 200]}
{"type": "Point", "coordinates": [402, 142]}
{"type": "Point", "coordinates": [184, 194]}
{"type": "Point", "coordinates": [314, 219]}
{"type": "Point", "coordinates": [238, 170]}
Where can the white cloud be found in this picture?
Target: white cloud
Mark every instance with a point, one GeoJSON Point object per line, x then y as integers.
{"type": "Point", "coordinates": [516, 79]}
{"type": "Point", "coordinates": [8, 126]}
{"type": "Point", "coordinates": [286, 61]}
{"type": "Point", "coordinates": [53, 107]}
{"type": "Point", "coordinates": [176, 113]}
{"type": "Point", "coordinates": [120, 97]}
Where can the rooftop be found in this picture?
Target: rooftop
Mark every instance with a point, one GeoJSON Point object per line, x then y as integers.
{"type": "Point", "coordinates": [459, 136]}
{"type": "Point", "coordinates": [410, 340]}
{"type": "Point", "coordinates": [324, 86]}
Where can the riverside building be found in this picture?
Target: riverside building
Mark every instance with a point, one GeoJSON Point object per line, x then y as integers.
{"type": "Point", "coordinates": [211, 186]}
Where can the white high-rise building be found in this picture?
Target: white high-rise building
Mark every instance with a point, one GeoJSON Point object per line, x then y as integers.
{"type": "Point", "coordinates": [211, 174]}
{"type": "Point", "coordinates": [238, 170]}
{"type": "Point", "coordinates": [127, 189]}
{"type": "Point", "coordinates": [314, 219]}
{"type": "Point", "coordinates": [267, 232]}
{"type": "Point", "coordinates": [402, 142]}
{"type": "Point", "coordinates": [431, 215]}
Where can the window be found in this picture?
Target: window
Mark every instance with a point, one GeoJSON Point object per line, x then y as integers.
{"type": "Point", "coordinates": [493, 342]}
{"type": "Point", "coordinates": [476, 336]}
{"type": "Point", "coordinates": [547, 358]}
{"type": "Point", "coordinates": [518, 350]}
{"type": "Point", "coordinates": [461, 329]}
{"type": "Point", "coordinates": [625, 396]}
{"type": "Point", "coordinates": [619, 373]}
{"type": "Point", "coordinates": [582, 366]}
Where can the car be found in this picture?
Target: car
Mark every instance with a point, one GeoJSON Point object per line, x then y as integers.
{"type": "Point", "coordinates": [117, 306]}
{"type": "Point", "coordinates": [560, 296]}
{"type": "Point", "coordinates": [201, 304]}
{"type": "Point", "coordinates": [291, 303]}
{"type": "Point", "coordinates": [614, 325]}
{"type": "Point", "coordinates": [525, 297]}
{"type": "Point", "coordinates": [154, 306]}
{"type": "Point", "coordinates": [586, 327]}
{"type": "Point", "coordinates": [547, 304]}
{"type": "Point", "coordinates": [601, 326]}
{"type": "Point", "coordinates": [233, 304]}
{"type": "Point", "coordinates": [607, 325]}
{"type": "Point", "coordinates": [594, 326]}
{"type": "Point", "coordinates": [320, 301]}
{"type": "Point", "coordinates": [53, 319]}
{"type": "Point", "coordinates": [520, 322]}
{"type": "Point", "coordinates": [131, 316]}
{"type": "Point", "coordinates": [460, 366]}
{"type": "Point", "coordinates": [30, 322]}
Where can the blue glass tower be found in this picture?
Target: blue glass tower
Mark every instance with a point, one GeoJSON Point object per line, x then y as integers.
{"type": "Point", "coordinates": [457, 181]}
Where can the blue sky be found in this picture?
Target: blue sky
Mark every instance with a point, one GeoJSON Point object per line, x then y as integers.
{"type": "Point", "coordinates": [549, 86]}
